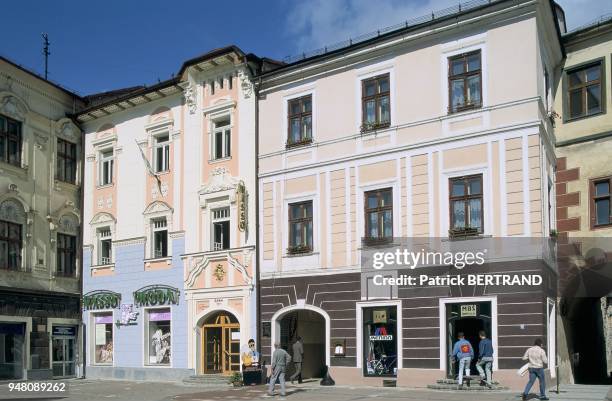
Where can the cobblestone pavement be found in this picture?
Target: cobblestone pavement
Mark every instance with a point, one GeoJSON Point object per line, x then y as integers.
{"type": "Point", "coordinates": [99, 390]}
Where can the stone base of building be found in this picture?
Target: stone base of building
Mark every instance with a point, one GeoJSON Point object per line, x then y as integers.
{"type": "Point", "coordinates": [420, 378]}
{"type": "Point", "coordinates": [138, 374]}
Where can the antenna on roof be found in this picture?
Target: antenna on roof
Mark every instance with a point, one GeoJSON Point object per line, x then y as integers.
{"type": "Point", "coordinates": [46, 53]}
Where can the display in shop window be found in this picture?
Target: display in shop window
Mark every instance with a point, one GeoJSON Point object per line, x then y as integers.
{"type": "Point", "coordinates": [380, 341]}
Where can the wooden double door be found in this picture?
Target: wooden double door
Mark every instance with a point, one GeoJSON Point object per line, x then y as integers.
{"type": "Point", "coordinates": [221, 344]}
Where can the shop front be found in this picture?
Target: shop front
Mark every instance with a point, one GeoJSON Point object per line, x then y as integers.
{"type": "Point", "coordinates": [12, 350]}
{"type": "Point", "coordinates": [64, 350]}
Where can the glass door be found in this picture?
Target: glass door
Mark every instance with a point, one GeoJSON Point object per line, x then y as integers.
{"type": "Point", "coordinates": [231, 349]}
{"type": "Point", "coordinates": [63, 356]}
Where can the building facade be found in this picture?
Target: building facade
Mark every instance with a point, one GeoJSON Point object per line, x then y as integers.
{"type": "Point", "coordinates": [583, 129]}
{"type": "Point", "coordinates": [428, 131]}
{"type": "Point", "coordinates": [40, 219]}
{"type": "Point", "coordinates": [169, 261]}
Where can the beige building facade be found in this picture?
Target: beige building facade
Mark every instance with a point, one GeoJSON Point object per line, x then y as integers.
{"type": "Point", "coordinates": [430, 130]}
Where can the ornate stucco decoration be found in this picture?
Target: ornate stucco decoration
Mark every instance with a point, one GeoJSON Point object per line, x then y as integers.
{"type": "Point", "coordinates": [219, 180]}
{"type": "Point", "coordinates": [12, 106]}
{"type": "Point", "coordinates": [65, 128]}
{"type": "Point", "coordinates": [189, 93]}
{"type": "Point", "coordinates": [198, 264]}
{"type": "Point", "coordinates": [245, 84]}
{"type": "Point", "coordinates": [219, 273]}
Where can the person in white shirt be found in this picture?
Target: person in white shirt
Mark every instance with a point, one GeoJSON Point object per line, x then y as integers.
{"type": "Point", "coordinates": [536, 358]}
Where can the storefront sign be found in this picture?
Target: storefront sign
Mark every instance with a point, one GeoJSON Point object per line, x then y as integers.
{"type": "Point", "coordinates": [156, 295]}
{"type": "Point", "coordinates": [469, 310]}
{"type": "Point", "coordinates": [242, 206]}
{"type": "Point", "coordinates": [379, 316]}
{"type": "Point", "coordinates": [69, 331]}
{"type": "Point", "coordinates": [101, 299]}
{"type": "Point", "coordinates": [388, 337]}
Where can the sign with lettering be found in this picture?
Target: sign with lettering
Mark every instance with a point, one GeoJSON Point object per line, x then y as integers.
{"type": "Point", "coordinates": [156, 295]}
{"type": "Point", "coordinates": [379, 316]}
{"type": "Point", "coordinates": [387, 337]}
{"type": "Point", "coordinates": [469, 310]}
{"type": "Point", "coordinates": [128, 316]}
{"type": "Point", "coordinates": [242, 206]}
{"type": "Point", "coordinates": [101, 299]}
{"type": "Point", "coordinates": [69, 331]}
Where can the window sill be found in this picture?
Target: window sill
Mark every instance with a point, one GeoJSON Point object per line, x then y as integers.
{"type": "Point", "coordinates": [168, 259]}
{"type": "Point", "coordinates": [222, 159]}
{"type": "Point", "coordinates": [105, 186]}
{"type": "Point", "coordinates": [160, 173]}
{"type": "Point", "coordinates": [461, 109]}
{"type": "Point", "coordinates": [300, 144]}
{"type": "Point", "coordinates": [601, 226]}
{"type": "Point", "coordinates": [64, 185]}
{"type": "Point", "coordinates": [300, 254]}
{"type": "Point", "coordinates": [11, 168]}
{"type": "Point", "coordinates": [584, 117]}
{"type": "Point", "coordinates": [100, 267]}
{"type": "Point", "coordinates": [366, 128]}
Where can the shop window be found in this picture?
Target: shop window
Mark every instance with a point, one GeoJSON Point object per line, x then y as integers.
{"type": "Point", "coordinates": [12, 351]}
{"type": "Point", "coordinates": [103, 336]}
{"type": "Point", "coordinates": [380, 341]}
{"type": "Point", "coordinates": [221, 228]}
{"type": "Point", "coordinates": [157, 332]}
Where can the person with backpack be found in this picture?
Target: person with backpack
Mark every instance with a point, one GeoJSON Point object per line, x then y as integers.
{"type": "Point", "coordinates": [536, 358]}
{"type": "Point", "coordinates": [463, 352]}
{"type": "Point", "coordinates": [485, 357]}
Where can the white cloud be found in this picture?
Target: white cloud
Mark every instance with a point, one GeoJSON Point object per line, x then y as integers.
{"type": "Point", "coordinates": [318, 23]}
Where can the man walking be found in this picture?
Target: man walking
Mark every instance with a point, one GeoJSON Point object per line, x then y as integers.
{"type": "Point", "coordinates": [463, 352]}
{"type": "Point", "coordinates": [280, 359]}
{"type": "Point", "coordinates": [537, 358]}
{"type": "Point", "coordinates": [485, 357]}
{"type": "Point", "coordinates": [298, 357]}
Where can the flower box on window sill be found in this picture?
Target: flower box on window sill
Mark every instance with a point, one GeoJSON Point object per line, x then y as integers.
{"type": "Point", "coordinates": [303, 142]}
{"type": "Point", "coordinates": [298, 250]}
{"type": "Point", "coordinates": [464, 107]}
{"type": "Point", "coordinates": [372, 127]}
{"type": "Point", "coordinates": [463, 232]}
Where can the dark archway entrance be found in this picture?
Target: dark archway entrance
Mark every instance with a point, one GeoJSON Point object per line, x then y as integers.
{"type": "Point", "coordinates": [310, 325]}
{"type": "Point", "coordinates": [468, 318]}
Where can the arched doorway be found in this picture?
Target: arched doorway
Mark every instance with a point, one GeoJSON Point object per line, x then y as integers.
{"type": "Point", "coordinates": [311, 326]}
{"type": "Point", "coordinates": [220, 336]}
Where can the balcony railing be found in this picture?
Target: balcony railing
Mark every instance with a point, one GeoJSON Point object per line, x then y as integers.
{"type": "Point", "coordinates": [105, 260]}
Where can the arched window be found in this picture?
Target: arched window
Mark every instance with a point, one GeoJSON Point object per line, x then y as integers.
{"type": "Point", "coordinates": [12, 226]}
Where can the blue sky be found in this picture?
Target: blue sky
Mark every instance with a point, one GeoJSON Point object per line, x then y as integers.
{"type": "Point", "coordinates": [98, 46]}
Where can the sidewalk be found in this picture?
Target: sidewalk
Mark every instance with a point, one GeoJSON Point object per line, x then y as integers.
{"type": "Point", "coordinates": [579, 392]}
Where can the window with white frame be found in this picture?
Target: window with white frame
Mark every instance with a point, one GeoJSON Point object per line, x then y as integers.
{"type": "Point", "coordinates": [105, 246]}
{"type": "Point", "coordinates": [221, 228]}
{"type": "Point", "coordinates": [221, 139]}
{"type": "Point", "coordinates": [103, 338]}
{"type": "Point", "coordinates": [106, 167]}
{"type": "Point", "coordinates": [160, 237]}
{"type": "Point", "coordinates": [162, 153]}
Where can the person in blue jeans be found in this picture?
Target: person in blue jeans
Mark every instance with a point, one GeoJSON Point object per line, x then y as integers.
{"type": "Point", "coordinates": [463, 352]}
{"type": "Point", "coordinates": [485, 357]}
{"type": "Point", "coordinates": [536, 358]}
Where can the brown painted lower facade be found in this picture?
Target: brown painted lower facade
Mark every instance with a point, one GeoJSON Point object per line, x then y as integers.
{"type": "Point", "coordinates": [406, 336]}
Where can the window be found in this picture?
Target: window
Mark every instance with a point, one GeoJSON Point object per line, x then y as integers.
{"type": "Point", "coordinates": [160, 238]}
{"type": "Point", "coordinates": [601, 202]}
{"type": "Point", "coordinates": [221, 228]}
{"type": "Point", "coordinates": [464, 82]}
{"type": "Point", "coordinates": [584, 91]}
{"type": "Point", "coordinates": [106, 167]}
{"type": "Point", "coordinates": [66, 161]}
{"type": "Point", "coordinates": [300, 121]}
{"type": "Point", "coordinates": [105, 246]}
{"type": "Point", "coordinates": [230, 81]}
{"type": "Point", "coordinates": [103, 336]}
{"type": "Point", "coordinates": [380, 341]}
{"type": "Point", "coordinates": [379, 215]}
{"type": "Point", "coordinates": [66, 255]}
{"type": "Point", "coordinates": [300, 227]}
{"type": "Point", "coordinates": [466, 203]}
{"type": "Point", "coordinates": [10, 141]}
{"type": "Point", "coordinates": [157, 332]}
{"type": "Point", "coordinates": [376, 102]}
{"type": "Point", "coordinates": [162, 154]}
{"type": "Point", "coordinates": [221, 140]}
{"type": "Point", "coordinates": [10, 245]}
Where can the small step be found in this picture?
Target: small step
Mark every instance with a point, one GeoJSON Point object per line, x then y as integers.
{"type": "Point", "coordinates": [212, 380]}
{"type": "Point", "coordinates": [474, 385]}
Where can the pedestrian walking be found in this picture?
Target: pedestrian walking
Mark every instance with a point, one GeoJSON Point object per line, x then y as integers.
{"type": "Point", "coordinates": [536, 358]}
{"type": "Point", "coordinates": [485, 358]}
{"type": "Point", "coordinates": [298, 357]}
{"type": "Point", "coordinates": [280, 359]}
{"type": "Point", "coordinates": [463, 352]}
